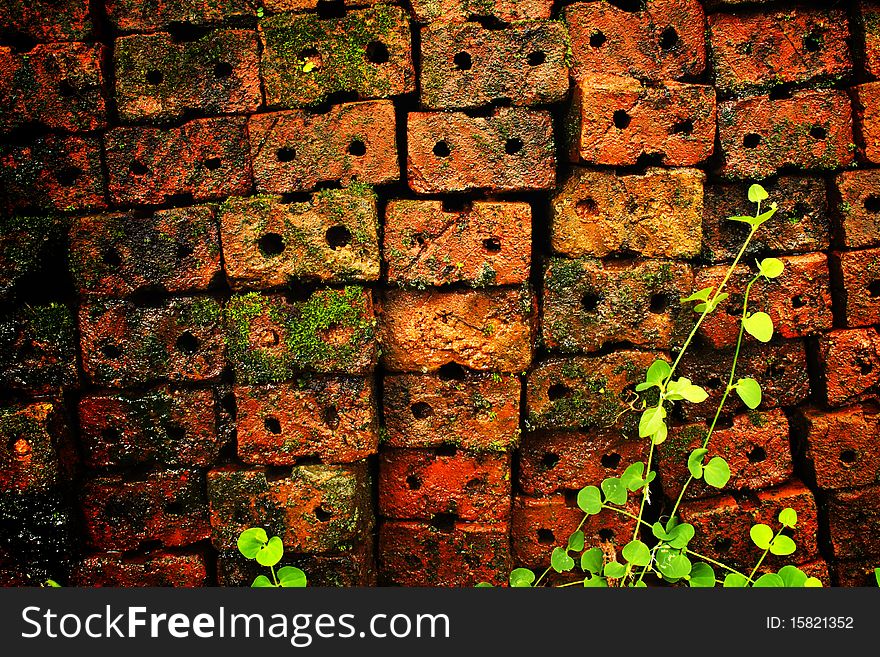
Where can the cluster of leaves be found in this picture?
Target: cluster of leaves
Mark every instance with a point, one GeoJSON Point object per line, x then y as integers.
{"type": "Point", "coordinates": [255, 544]}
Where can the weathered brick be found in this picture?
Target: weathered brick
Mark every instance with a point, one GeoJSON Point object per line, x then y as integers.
{"type": "Point", "coordinates": [485, 243]}
{"type": "Point", "coordinates": [589, 304]}
{"type": "Point", "coordinates": [478, 412]}
{"type": "Point", "coordinates": [867, 32]}
{"type": "Point", "coordinates": [470, 66]}
{"type": "Point", "coordinates": [859, 274]}
{"type": "Point", "coordinates": [510, 150]}
{"type": "Point", "coordinates": [866, 110]}
{"type": "Point", "coordinates": [489, 330]}
{"type": "Point", "coordinates": [37, 453]}
{"type": "Point", "coordinates": [173, 428]}
{"type": "Point", "coordinates": [177, 250]}
{"type": "Point", "coordinates": [331, 419]}
{"type": "Point", "coordinates": [272, 339]}
{"type": "Point", "coordinates": [158, 78]}
{"type": "Point", "coordinates": [858, 204]}
{"type": "Point", "coordinates": [459, 11]}
{"type": "Point", "coordinates": [210, 159]}
{"type": "Point", "coordinates": [656, 214]}
{"type": "Point", "coordinates": [760, 50]}
{"type": "Point", "coordinates": [850, 364]}
{"type": "Point", "coordinates": [462, 554]}
{"type": "Point", "coordinates": [663, 40]}
{"type": "Point", "coordinates": [47, 20]}
{"type": "Point", "coordinates": [122, 343]}
{"type": "Point", "coordinates": [306, 58]}
{"type": "Point", "coordinates": [294, 151]}
{"type": "Point", "coordinates": [420, 484]}
{"type": "Point", "coordinates": [855, 573]}
{"type": "Point", "coordinates": [166, 508]}
{"type": "Point", "coordinates": [854, 522]}
{"type": "Point", "coordinates": [332, 237]}
{"type": "Point", "coordinates": [38, 349]}
{"type": "Point", "coordinates": [616, 120]}
{"type": "Point", "coordinates": [159, 569]}
{"type": "Point", "coordinates": [28, 246]}
{"type": "Point", "coordinates": [317, 508]}
{"type": "Point", "coordinates": [135, 16]}
{"type": "Point", "coordinates": [810, 130]}
{"type": "Point", "coordinates": [279, 6]}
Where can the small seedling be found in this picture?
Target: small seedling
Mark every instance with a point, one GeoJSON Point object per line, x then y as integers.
{"type": "Point", "coordinates": [255, 544]}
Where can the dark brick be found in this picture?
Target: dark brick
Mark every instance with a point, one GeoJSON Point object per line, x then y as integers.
{"type": "Point", "coordinates": [135, 16]}
{"type": "Point", "coordinates": [160, 569]}
{"type": "Point", "coordinates": [856, 573]}
{"type": "Point", "coordinates": [47, 20]}
{"type": "Point", "coordinates": [28, 245]}
{"type": "Point", "coordinates": [37, 453]}
{"type": "Point", "coordinates": [854, 522]}
{"type": "Point", "coordinates": [459, 11]}
{"type": "Point", "coordinates": [38, 349]}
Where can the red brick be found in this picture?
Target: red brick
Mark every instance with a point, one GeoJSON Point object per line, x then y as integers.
{"type": "Point", "coordinates": [867, 29]}
{"type": "Point", "coordinates": [168, 427]}
{"type": "Point", "coordinates": [331, 419]}
{"type": "Point", "coordinates": [38, 349]}
{"type": "Point", "coordinates": [858, 203]}
{"type": "Point", "coordinates": [484, 243]}
{"type": "Point", "coordinates": [47, 20]}
{"type": "Point", "coordinates": [37, 453]}
{"type": "Point", "coordinates": [332, 237]}
{"type": "Point", "coordinates": [850, 364]}
{"type": "Point", "coordinates": [663, 40]}
{"type": "Point", "coordinates": [459, 11]}
{"type": "Point", "coordinates": [490, 330]}
{"type": "Point", "coordinates": [366, 52]}
{"type": "Point", "coordinates": [854, 522]}
{"type": "Point", "coordinates": [135, 16]}
{"type": "Point", "coordinates": [810, 130]}
{"type": "Point", "coordinates": [177, 250]}
{"type": "Point", "coordinates": [166, 508]}
{"type": "Point", "coordinates": [294, 151]}
{"type": "Point", "coordinates": [510, 150]}
{"type": "Point", "coordinates": [465, 554]}
{"type": "Point", "coordinates": [615, 120]}
{"type": "Point", "coordinates": [210, 159]}
{"type": "Point", "coordinates": [158, 78]}
{"type": "Point", "coordinates": [279, 6]}
{"type": "Point", "coordinates": [656, 214]}
{"type": "Point", "coordinates": [122, 343]}
{"type": "Point", "coordinates": [161, 569]}
{"type": "Point", "coordinates": [478, 412]}
{"type": "Point", "coordinates": [855, 573]}
{"type": "Point", "coordinates": [866, 110]}
{"type": "Point", "coordinates": [27, 245]}
{"type": "Point", "coordinates": [859, 273]}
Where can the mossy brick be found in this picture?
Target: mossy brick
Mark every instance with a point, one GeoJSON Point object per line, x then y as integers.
{"type": "Point", "coordinates": [154, 569]}
{"type": "Point", "coordinates": [858, 274]}
{"type": "Point", "coordinates": [332, 237]}
{"type": "Point", "coordinates": [857, 197]}
{"type": "Point", "coordinates": [37, 452]}
{"type": "Point", "coordinates": [849, 365]}
{"type": "Point", "coordinates": [467, 65]}
{"type": "Point", "coordinates": [294, 151]}
{"type": "Point", "coordinates": [305, 58]}
{"type": "Point", "coordinates": [802, 223]}
{"type": "Point", "coordinates": [798, 301]}
{"type": "Point", "coordinates": [866, 114]}
{"type": "Point", "coordinates": [166, 508]}
{"type": "Point", "coordinates": [160, 79]}
{"type": "Point", "coordinates": [589, 304]}
{"type": "Point", "coordinates": [482, 244]}
{"type": "Point", "coordinates": [47, 20]}
{"type": "Point", "coordinates": [123, 343]}
{"type": "Point", "coordinates": [315, 509]}
{"type": "Point", "coordinates": [211, 161]}
{"type": "Point", "coordinates": [331, 419]}
{"type": "Point", "coordinates": [509, 150]}
{"type": "Point", "coordinates": [478, 412]}
{"type": "Point", "coordinates": [54, 172]}
{"type": "Point", "coordinates": [166, 427]}
{"type": "Point", "coordinates": [615, 120]}
{"type": "Point", "coordinates": [854, 522]}
{"type": "Point", "coordinates": [811, 130]}
{"type": "Point", "coordinates": [460, 11]}
{"type": "Point", "coordinates": [416, 553]}
{"type": "Point", "coordinates": [271, 339]}
{"type": "Point", "coordinates": [656, 214]}
{"type": "Point", "coordinates": [482, 330]}
{"type": "Point", "coordinates": [135, 16]}
{"type": "Point", "coordinates": [662, 40]}
{"type": "Point", "coordinates": [851, 573]}
{"type": "Point", "coordinates": [176, 250]}
{"type": "Point", "coordinates": [58, 85]}
{"type": "Point", "coordinates": [866, 26]}
{"type": "Point", "coordinates": [27, 245]}
{"type": "Point", "coordinates": [38, 349]}
{"type": "Point", "coordinates": [756, 51]}
{"type": "Point", "coordinates": [280, 6]}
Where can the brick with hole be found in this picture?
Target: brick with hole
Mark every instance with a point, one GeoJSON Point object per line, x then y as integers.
{"type": "Point", "coordinates": [616, 121]}
{"type": "Point", "coordinates": [312, 508]}
{"type": "Point", "coordinates": [47, 20]}
{"type": "Point", "coordinates": [490, 330]}
{"type": "Point", "coordinates": [859, 274]}
{"type": "Point", "coordinates": [331, 419]}
{"type": "Point", "coordinates": [802, 223]}
{"type": "Point", "coordinates": [478, 412]}
{"type": "Point", "coordinates": [28, 244]}
{"type": "Point", "coordinates": [38, 349]}
{"type": "Point", "coordinates": [509, 150]}
{"type": "Point", "coordinates": [294, 151]}
{"type": "Point", "coordinates": [467, 65]}
{"type": "Point", "coordinates": [154, 569]}
{"type": "Point", "coordinates": [867, 32]}
{"type": "Point", "coordinates": [37, 453]}
{"type": "Point", "coordinates": [656, 214]}
{"type": "Point", "coordinates": [272, 338]}
{"type": "Point", "coordinates": [854, 522]}
{"type": "Point", "coordinates": [757, 51]}
{"type": "Point", "coordinates": [589, 303]}
{"type": "Point", "coordinates": [53, 172]}
{"type": "Point", "coordinates": [123, 343]}
{"type": "Point", "coordinates": [810, 130]}
{"type": "Point", "coordinates": [58, 85]}
{"type": "Point", "coordinates": [186, 18]}
{"type": "Point", "coordinates": [849, 362]}
{"type": "Point", "coordinates": [866, 112]}
{"type": "Point", "coordinates": [160, 79]}
{"type": "Point", "coordinates": [305, 58]}
{"type": "Point", "coordinates": [482, 244]}
{"type": "Point", "coordinates": [176, 250]}
{"type": "Point", "coordinates": [857, 194]}
{"type": "Point", "coordinates": [168, 427]}
{"type": "Point", "coordinates": [855, 573]}
{"type": "Point", "coordinates": [662, 40]}
{"type": "Point", "coordinates": [459, 11]}
{"type": "Point", "coordinates": [166, 508]}
{"type": "Point", "coordinates": [210, 155]}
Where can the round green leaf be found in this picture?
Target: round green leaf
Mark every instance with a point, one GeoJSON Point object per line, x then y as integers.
{"type": "Point", "coordinates": [681, 535]}
{"type": "Point", "coordinates": [484, 585]}
{"type": "Point", "coordinates": [813, 583]}
{"type": "Point", "coordinates": [771, 267]}
{"type": "Point", "coordinates": [877, 575]}
{"type": "Point", "coordinates": [589, 500]}
{"type": "Point", "coordinates": [290, 577]}
{"type": "Point", "coordinates": [576, 541]}
{"type": "Point", "coordinates": [614, 570]}
{"type": "Point", "coordinates": [592, 561]}
{"type": "Point", "coordinates": [651, 421]}
{"type": "Point", "coordinates": [716, 472]}
{"type": "Point", "coordinates": [560, 561]}
{"type": "Point", "coordinates": [521, 578]}
{"type": "Point", "coordinates": [632, 476]}
{"type": "Point", "coordinates": [735, 581]}
{"type": "Point", "coordinates": [782, 546]}
{"type": "Point", "coordinates": [761, 535]}
{"type": "Point", "coordinates": [759, 325]}
{"type": "Point", "coordinates": [749, 391]}
{"type": "Point", "coordinates": [271, 553]}
{"type": "Point", "coordinates": [788, 517]}
{"type": "Point", "coordinates": [770, 580]}
{"type": "Point", "coordinates": [637, 553]}
{"type": "Point", "coordinates": [702, 576]}
{"type": "Point", "coordinates": [675, 566]}
{"type": "Point", "coordinates": [595, 582]}
{"type": "Point", "coordinates": [658, 372]}
{"type": "Point", "coordinates": [695, 462]}
{"type": "Point", "coordinates": [615, 491]}
{"type": "Point", "coordinates": [262, 582]}
{"type": "Point", "coordinates": [757, 193]}
{"type": "Point", "coordinates": [792, 577]}
{"type": "Point", "coordinates": [252, 541]}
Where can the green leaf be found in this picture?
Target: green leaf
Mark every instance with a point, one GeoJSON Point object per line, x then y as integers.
{"type": "Point", "coordinates": [765, 216]}
{"type": "Point", "coordinates": [782, 546]}
{"type": "Point", "coordinates": [788, 517]}
{"type": "Point", "coordinates": [560, 561]}
{"type": "Point", "coordinates": [674, 565]}
{"type": "Point", "coordinates": [595, 582]}
{"type": "Point", "coordinates": [769, 580]}
{"type": "Point", "coordinates": [589, 500]}
{"type": "Point", "coordinates": [271, 553]}
{"type": "Point", "coordinates": [684, 389]}
{"type": "Point", "coordinates": [651, 421]}
{"type": "Point", "coordinates": [792, 577]}
{"type": "Point", "coordinates": [743, 219]}
{"type": "Point", "coordinates": [615, 491]}
{"type": "Point", "coordinates": [813, 583]}
{"type": "Point", "coordinates": [757, 193]}
{"type": "Point", "coordinates": [716, 472]}
{"type": "Point", "coordinates": [576, 541]}
{"type": "Point", "coordinates": [659, 532]}
{"type": "Point", "coordinates": [658, 372]}
{"type": "Point", "coordinates": [632, 476]}
{"type": "Point", "coordinates": [660, 437]}
{"type": "Point", "coordinates": [749, 391]}
{"type": "Point", "coordinates": [290, 577]}
{"type": "Point", "coordinates": [252, 541]}
{"type": "Point", "coordinates": [759, 325]}
{"type": "Point", "coordinates": [262, 582]}
{"type": "Point", "coordinates": [771, 267]}
{"type": "Point", "coordinates": [484, 585]}
{"type": "Point", "coordinates": [761, 536]}
{"type": "Point", "coordinates": [735, 581]}
{"type": "Point", "coordinates": [701, 295]}
{"type": "Point", "coordinates": [308, 67]}
{"type": "Point", "coordinates": [52, 584]}
{"type": "Point", "coordinates": [702, 576]}
{"type": "Point", "coordinates": [712, 304]}
{"type": "Point", "coordinates": [877, 575]}
{"type": "Point", "coordinates": [681, 535]}
{"type": "Point", "coordinates": [637, 553]}
{"type": "Point", "coordinates": [521, 578]}
{"type": "Point", "coordinates": [592, 561]}
{"type": "Point", "coordinates": [614, 570]}
{"type": "Point", "coordinates": [695, 462]}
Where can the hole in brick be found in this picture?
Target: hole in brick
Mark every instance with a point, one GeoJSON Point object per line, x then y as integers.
{"type": "Point", "coordinates": [621, 119]}
{"type": "Point", "coordinates": [537, 58]}
{"type": "Point", "coordinates": [798, 302]}
{"type": "Point", "coordinates": [818, 132]}
{"type": "Point", "coordinates": [184, 251]}
{"type": "Point", "coordinates": [606, 534]}
{"type": "Point", "coordinates": [462, 61]}
{"type": "Point", "coordinates": [111, 351]}
{"type": "Point", "coordinates": [154, 77]}
{"type": "Point", "coordinates": [68, 176]}
{"type": "Point", "coordinates": [111, 257]}
{"type": "Point", "coordinates": [419, 239]}
{"type": "Point", "coordinates": [174, 509]}
{"type": "Point", "coordinates": [446, 450]}
{"type": "Point", "coordinates": [549, 460]}
{"type": "Point", "coordinates": [756, 454]}
{"type": "Point", "coordinates": [187, 343]}
{"type": "Point", "coordinates": [848, 456]}
{"type": "Point", "coordinates": [271, 244]}
{"type": "Point", "coordinates": [800, 210]}
{"type": "Point", "coordinates": [668, 38]}
{"type": "Point", "coordinates": [66, 89]}
{"type": "Point", "coordinates": [222, 70]}
{"type": "Point", "coordinates": [714, 382]}
{"type": "Point", "coordinates": [611, 461]}
{"type": "Point", "coordinates": [874, 288]}
{"type": "Point", "coordinates": [421, 410]}
{"type": "Point", "coordinates": [272, 425]}
{"type": "Point", "coordinates": [212, 163]}
{"type": "Point", "coordinates": [659, 303]}
{"type": "Point", "coordinates": [751, 140]}
{"type": "Point", "coordinates": [475, 484]}
{"type": "Point", "coordinates": [558, 391]}
{"type": "Point", "coordinates": [441, 149]}
{"type": "Point", "coordinates": [110, 434]}
{"type": "Point", "coordinates": [357, 148]}
{"type": "Point", "coordinates": [451, 372]}
{"type": "Point", "coordinates": [590, 301]}
{"type": "Point", "coordinates": [377, 52]}
{"type": "Point", "coordinates": [285, 154]}
{"type": "Point", "coordinates": [149, 296]}
{"type": "Point", "coordinates": [812, 42]}
{"type": "Point", "coordinates": [330, 417]}
{"type": "Point", "coordinates": [872, 203]}
{"type": "Point", "coordinates": [323, 514]}
{"type": "Point", "coordinates": [545, 537]}
{"type": "Point", "coordinates": [338, 237]}
{"type": "Point", "coordinates": [684, 127]}
{"type": "Point", "coordinates": [138, 168]}
{"type": "Point", "coordinates": [513, 146]}
{"type": "Point", "coordinates": [413, 482]}
{"type": "Point", "coordinates": [722, 544]}
{"type": "Point", "coordinates": [571, 496]}
{"type": "Point", "coordinates": [725, 421]}
{"type": "Point", "coordinates": [598, 39]}
{"type": "Point", "coordinates": [865, 366]}
{"type": "Point", "coordinates": [175, 431]}
{"type": "Point", "coordinates": [444, 522]}
{"type": "Point", "coordinates": [311, 56]}
{"type": "Point", "coordinates": [776, 371]}
{"type": "Point", "coordinates": [492, 244]}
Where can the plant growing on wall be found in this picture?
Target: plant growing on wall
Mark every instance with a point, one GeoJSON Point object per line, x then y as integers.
{"type": "Point", "coordinates": [254, 543]}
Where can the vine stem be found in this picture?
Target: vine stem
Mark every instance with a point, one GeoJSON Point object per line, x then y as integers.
{"type": "Point", "coordinates": [547, 570]}
{"type": "Point", "coordinates": [764, 556]}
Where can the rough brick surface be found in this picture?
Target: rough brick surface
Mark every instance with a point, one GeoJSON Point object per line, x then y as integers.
{"type": "Point", "coordinates": [868, 29]}
{"type": "Point", "coordinates": [859, 273]}
{"type": "Point", "coordinates": [855, 573]}
{"type": "Point", "coordinates": [38, 349]}
{"type": "Point", "coordinates": [37, 452]}
{"type": "Point", "coordinates": [858, 205]}
{"type": "Point", "coordinates": [854, 522]}
{"type": "Point", "coordinates": [459, 11]}
{"type": "Point", "coordinates": [850, 364]}
{"type": "Point", "coordinates": [162, 569]}
{"type": "Point", "coordinates": [866, 111]}
{"type": "Point", "coordinates": [135, 16]}
{"type": "Point", "coordinates": [47, 20]}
